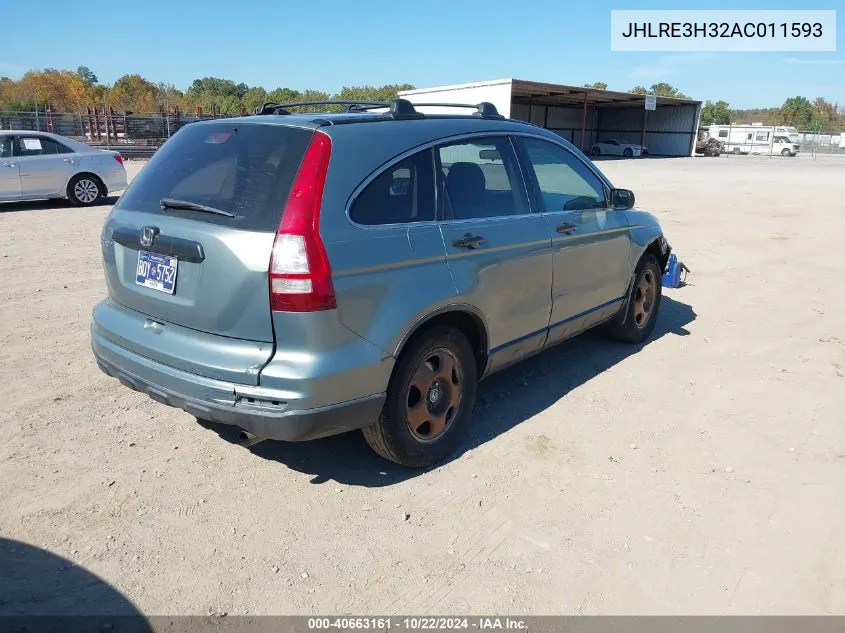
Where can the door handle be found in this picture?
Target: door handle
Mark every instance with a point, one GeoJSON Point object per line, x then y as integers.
{"type": "Point", "coordinates": [469, 241]}
{"type": "Point", "coordinates": [69, 160]}
{"type": "Point", "coordinates": [566, 227]}
{"type": "Point", "coordinates": [9, 165]}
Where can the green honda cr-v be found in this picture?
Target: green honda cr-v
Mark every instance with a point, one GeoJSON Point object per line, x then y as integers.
{"type": "Point", "coordinates": [301, 275]}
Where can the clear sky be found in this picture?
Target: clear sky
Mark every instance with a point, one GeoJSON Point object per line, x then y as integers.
{"type": "Point", "coordinates": [326, 45]}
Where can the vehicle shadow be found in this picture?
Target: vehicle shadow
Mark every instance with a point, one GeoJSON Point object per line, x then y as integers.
{"type": "Point", "coordinates": [42, 591]}
{"type": "Point", "coordinates": [42, 205]}
{"type": "Point", "coordinates": [531, 387]}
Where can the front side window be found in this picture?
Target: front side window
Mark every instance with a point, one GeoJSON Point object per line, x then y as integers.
{"type": "Point", "coordinates": [402, 193]}
{"type": "Point", "coordinates": [565, 183]}
{"type": "Point", "coordinates": [38, 146]}
{"type": "Point", "coordinates": [480, 178]}
{"type": "Point", "coordinates": [5, 146]}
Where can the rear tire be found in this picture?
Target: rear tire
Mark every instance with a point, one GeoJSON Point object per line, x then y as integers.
{"type": "Point", "coordinates": [636, 323]}
{"type": "Point", "coordinates": [429, 402]}
{"type": "Point", "coordinates": [596, 151]}
{"type": "Point", "coordinates": [627, 152]}
{"type": "Point", "coordinates": [84, 190]}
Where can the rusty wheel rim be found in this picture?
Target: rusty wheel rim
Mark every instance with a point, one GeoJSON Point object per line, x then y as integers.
{"type": "Point", "coordinates": [434, 395]}
{"type": "Point", "coordinates": [644, 295]}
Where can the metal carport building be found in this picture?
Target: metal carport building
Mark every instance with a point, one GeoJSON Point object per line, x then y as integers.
{"type": "Point", "coordinates": [581, 115]}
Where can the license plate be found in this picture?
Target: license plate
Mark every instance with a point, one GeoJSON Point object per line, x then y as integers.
{"type": "Point", "coordinates": [156, 271]}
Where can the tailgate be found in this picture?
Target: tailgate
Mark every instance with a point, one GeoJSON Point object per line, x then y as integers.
{"type": "Point", "coordinates": [200, 260]}
{"type": "Point", "coordinates": [219, 278]}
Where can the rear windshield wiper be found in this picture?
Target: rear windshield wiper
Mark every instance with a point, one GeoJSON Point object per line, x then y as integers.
{"type": "Point", "coordinates": [171, 203]}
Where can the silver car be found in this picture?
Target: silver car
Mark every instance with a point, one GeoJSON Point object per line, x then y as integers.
{"type": "Point", "coordinates": [298, 276]}
{"type": "Point", "coordinates": [37, 165]}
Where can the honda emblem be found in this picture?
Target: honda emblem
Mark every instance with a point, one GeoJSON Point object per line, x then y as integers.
{"type": "Point", "coordinates": [148, 235]}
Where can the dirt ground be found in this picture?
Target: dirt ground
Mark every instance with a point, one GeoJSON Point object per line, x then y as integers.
{"type": "Point", "coordinates": [701, 473]}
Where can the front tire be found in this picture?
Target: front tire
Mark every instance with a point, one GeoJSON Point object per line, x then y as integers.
{"type": "Point", "coordinates": [429, 402]}
{"type": "Point", "coordinates": [596, 151]}
{"type": "Point", "coordinates": [83, 190]}
{"type": "Point", "coordinates": [637, 322]}
{"type": "Point", "coordinates": [628, 152]}
{"type": "Point", "coordinates": [786, 152]}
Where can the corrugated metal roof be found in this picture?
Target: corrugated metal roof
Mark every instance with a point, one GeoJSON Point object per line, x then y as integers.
{"type": "Point", "coordinates": [555, 94]}
{"type": "Point", "coordinates": [540, 93]}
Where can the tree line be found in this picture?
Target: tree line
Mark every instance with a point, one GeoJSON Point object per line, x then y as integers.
{"type": "Point", "coordinates": [73, 91]}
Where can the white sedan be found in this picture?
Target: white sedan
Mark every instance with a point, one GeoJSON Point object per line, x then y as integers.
{"type": "Point", "coordinates": [38, 165]}
{"type": "Point", "coordinates": [612, 147]}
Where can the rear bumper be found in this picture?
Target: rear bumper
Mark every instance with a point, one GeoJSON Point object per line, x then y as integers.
{"type": "Point", "coordinates": [260, 411]}
{"type": "Point", "coordinates": [115, 180]}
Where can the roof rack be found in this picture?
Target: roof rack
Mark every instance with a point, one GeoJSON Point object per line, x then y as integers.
{"type": "Point", "coordinates": [396, 109]}
{"type": "Point", "coordinates": [485, 109]}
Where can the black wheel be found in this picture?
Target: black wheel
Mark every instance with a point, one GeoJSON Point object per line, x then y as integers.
{"type": "Point", "coordinates": [635, 324]}
{"type": "Point", "coordinates": [83, 190]}
{"type": "Point", "coordinates": [627, 152]}
{"type": "Point", "coordinates": [596, 151]}
{"type": "Point", "coordinates": [786, 152]}
{"type": "Point", "coordinates": [429, 400]}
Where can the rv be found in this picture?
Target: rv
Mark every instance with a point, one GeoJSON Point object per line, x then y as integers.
{"type": "Point", "coordinates": [757, 139]}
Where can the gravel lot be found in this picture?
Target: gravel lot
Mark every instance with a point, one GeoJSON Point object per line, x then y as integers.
{"type": "Point", "coordinates": [702, 473]}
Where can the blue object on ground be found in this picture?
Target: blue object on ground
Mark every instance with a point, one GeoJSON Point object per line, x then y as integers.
{"type": "Point", "coordinates": [672, 277]}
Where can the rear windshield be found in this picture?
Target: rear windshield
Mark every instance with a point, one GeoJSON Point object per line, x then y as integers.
{"type": "Point", "coordinates": [243, 169]}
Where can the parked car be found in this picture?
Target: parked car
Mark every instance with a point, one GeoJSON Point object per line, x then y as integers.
{"type": "Point", "coordinates": [38, 165]}
{"type": "Point", "coordinates": [612, 147]}
{"type": "Point", "coordinates": [298, 276]}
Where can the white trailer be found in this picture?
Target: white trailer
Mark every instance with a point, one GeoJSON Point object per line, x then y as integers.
{"type": "Point", "coordinates": [757, 139]}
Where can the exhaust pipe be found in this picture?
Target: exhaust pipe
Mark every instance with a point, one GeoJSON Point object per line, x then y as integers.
{"type": "Point", "coordinates": [247, 439]}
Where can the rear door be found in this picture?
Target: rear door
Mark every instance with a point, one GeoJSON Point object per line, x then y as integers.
{"type": "Point", "coordinates": [590, 240]}
{"type": "Point", "coordinates": [206, 271]}
{"type": "Point", "coordinates": [45, 165]}
{"type": "Point", "coordinates": [499, 253]}
{"type": "Point", "coordinates": [10, 182]}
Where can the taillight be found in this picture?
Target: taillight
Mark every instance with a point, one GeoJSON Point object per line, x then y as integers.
{"type": "Point", "coordinates": [118, 158]}
{"type": "Point", "coordinates": [300, 275]}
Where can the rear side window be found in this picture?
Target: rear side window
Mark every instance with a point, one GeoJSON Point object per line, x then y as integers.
{"type": "Point", "coordinates": [402, 193]}
{"type": "Point", "coordinates": [480, 179]}
{"type": "Point", "coordinates": [243, 169]}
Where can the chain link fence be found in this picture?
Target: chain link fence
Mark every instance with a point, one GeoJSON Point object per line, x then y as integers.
{"type": "Point", "coordinates": [140, 135]}
{"type": "Point", "coordinates": [134, 135]}
{"type": "Point", "coordinates": [822, 144]}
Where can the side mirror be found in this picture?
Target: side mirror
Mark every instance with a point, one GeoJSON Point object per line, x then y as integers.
{"type": "Point", "coordinates": [621, 199]}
